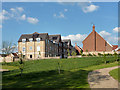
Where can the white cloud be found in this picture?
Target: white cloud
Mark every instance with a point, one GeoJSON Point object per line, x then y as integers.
{"type": "Point", "coordinates": [4, 12]}
{"type": "Point", "coordinates": [17, 14]}
{"type": "Point", "coordinates": [0, 26]}
{"type": "Point", "coordinates": [78, 38]}
{"type": "Point", "coordinates": [23, 17]}
{"type": "Point", "coordinates": [104, 34]}
{"type": "Point", "coordinates": [109, 37]}
{"type": "Point", "coordinates": [12, 9]}
{"type": "Point", "coordinates": [20, 9]}
{"type": "Point", "coordinates": [116, 29]}
{"type": "Point", "coordinates": [4, 15]}
{"type": "Point", "coordinates": [32, 20]}
{"type": "Point", "coordinates": [90, 8]}
{"type": "Point", "coordinates": [65, 10]}
{"type": "Point", "coordinates": [60, 15]}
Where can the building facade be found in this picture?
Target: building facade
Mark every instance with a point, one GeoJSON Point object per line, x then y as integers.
{"type": "Point", "coordinates": [94, 42]}
{"type": "Point", "coordinates": [39, 45]}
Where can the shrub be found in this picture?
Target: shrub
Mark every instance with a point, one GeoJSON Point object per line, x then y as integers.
{"type": "Point", "coordinates": [104, 58]}
{"type": "Point", "coordinates": [81, 51]}
{"type": "Point", "coordinates": [94, 55]}
{"type": "Point", "coordinates": [68, 52]}
{"type": "Point", "coordinates": [115, 56]}
{"type": "Point", "coordinates": [99, 54]}
{"type": "Point", "coordinates": [89, 54]}
{"type": "Point", "coordinates": [74, 53]}
{"type": "Point", "coordinates": [83, 55]}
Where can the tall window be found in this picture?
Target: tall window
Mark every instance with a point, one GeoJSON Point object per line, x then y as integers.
{"type": "Point", "coordinates": [38, 48]}
{"type": "Point", "coordinates": [23, 40]}
{"type": "Point", "coordinates": [23, 49]}
{"type": "Point", "coordinates": [31, 39]}
{"type": "Point", "coordinates": [30, 47]}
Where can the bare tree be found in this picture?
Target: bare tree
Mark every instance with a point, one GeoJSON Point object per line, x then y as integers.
{"type": "Point", "coordinates": [8, 47]}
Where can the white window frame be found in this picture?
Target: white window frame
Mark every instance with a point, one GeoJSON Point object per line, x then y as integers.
{"type": "Point", "coordinates": [30, 48]}
{"type": "Point", "coordinates": [23, 49]}
{"type": "Point", "coordinates": [23, 40]}
{"type": "Point", "coordinates": [30, 39]}
{"type": "Point", "coordinates": [54, 41]}
{"type": "Point", "coordinates": [38, 48]}
{"type": "Point", "coordinates": [38, 39]}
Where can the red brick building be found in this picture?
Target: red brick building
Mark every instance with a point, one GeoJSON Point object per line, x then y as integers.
{"type": "Point", "coordinates": [94, 42]}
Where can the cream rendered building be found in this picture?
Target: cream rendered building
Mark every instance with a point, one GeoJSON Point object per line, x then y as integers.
{"type": "Point", "coordinates": [39, 45]}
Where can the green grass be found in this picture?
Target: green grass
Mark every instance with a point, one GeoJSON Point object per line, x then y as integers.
{"type": "Point", "coordinates": [44, 73]}
{"type": "Point", "coordinates": [115, 74]}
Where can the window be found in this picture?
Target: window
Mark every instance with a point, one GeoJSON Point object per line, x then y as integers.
{"type": "Point", "coordinates": [23, 40]}
{"type": "Point", "coordinates": [38, 39]}
{"type": "Point", "coordinates": [30, 47]}
{"type": "Point", "coordinates": [54, 38]}
{"type": "Point", "coordinates": [105, 43]}
{"type": "Point", "coordinates": [38, 48]}
{"type": "Point", "coordinates": [54, 41]}
{"type": "Point", "coordinates": [31, 39]}
{"type": "Point", "coordinates": [30, 56]}
{"type": "Point", "coordinates": [23, 49]}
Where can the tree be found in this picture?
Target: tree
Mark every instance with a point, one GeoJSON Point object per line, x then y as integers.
{"type": "Point", "coordinates": [74, 53]}
{"type": "Point", "coordinates": [104, 58]}
{"type": "Point", "coordinates": [81, 51]}
{"type": "Point", "coordinates": [68, 52]}
{"type": "Point", "coordinates": [115, 56]}
{"type": "Point", "coordinates": [86, 50]}
{"type": "Point", "coordinates": [8, 47]}
{"type": "Point", "coordinates": [39, 54]}
{"type": "Point", "coordinates": [59, 66]}
{"type": "Point", "coordinates": [21, 64]}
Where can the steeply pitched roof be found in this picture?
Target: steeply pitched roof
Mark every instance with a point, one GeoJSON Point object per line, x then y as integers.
{"type": "Point", "coordinates": [56, 38]}
{"type": "Point", "coordinates": [43, 36]}
{"type": "Point", "coordinates": [67, 41]}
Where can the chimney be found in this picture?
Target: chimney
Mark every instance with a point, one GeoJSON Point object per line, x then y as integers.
{"type": "Point", "coordinates": [93, 27]}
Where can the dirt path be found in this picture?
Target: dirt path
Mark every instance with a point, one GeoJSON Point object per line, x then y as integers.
{"type": "Point", "coordinates": [101, 78]}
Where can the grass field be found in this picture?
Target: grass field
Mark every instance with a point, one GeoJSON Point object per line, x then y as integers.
{"type": "Point", "coordinates": [44, 73]}
{"type": "Point", "coordinates": [115, 74]}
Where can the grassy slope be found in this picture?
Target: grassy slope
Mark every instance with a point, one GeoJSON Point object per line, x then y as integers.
{"type": "Point", "coordinates": [44, 73]}
{"type": "Point", "coordinates": [115, 73]}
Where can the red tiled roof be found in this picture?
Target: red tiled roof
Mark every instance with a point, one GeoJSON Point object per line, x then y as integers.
{"type": "Point", "coordinates": [114, 47]}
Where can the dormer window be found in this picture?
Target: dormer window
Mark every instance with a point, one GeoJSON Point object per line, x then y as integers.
{"type": "Point", "coordinates": [54, 41]}
{"type": "Point", "coordinates": [23, 40]}
{"type": "Point", "coordinates": [30, 39]}
{"type": "Point", "coordinates": [38, 39]}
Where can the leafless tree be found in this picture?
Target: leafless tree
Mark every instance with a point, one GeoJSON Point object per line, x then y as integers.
{"type": "Point", "coordinates": [8, 47]}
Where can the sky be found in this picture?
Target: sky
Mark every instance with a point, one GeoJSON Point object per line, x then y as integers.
{"type": "Point", "coordinates": [72, 20]}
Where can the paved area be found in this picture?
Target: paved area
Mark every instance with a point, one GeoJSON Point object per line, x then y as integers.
{"type": "Point", "coordinates": [101, 78]}
{"type": "Point", "coordinates": [1, 70]}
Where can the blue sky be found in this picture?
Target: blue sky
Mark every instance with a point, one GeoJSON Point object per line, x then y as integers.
{"type": "Point", "coordinates": [71, 20]}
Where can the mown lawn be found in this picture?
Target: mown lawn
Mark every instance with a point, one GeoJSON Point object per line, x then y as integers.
{"type": "Point", "coordinates": [115, 74]}
{"type": "Point", "coordinates": [44, 73]}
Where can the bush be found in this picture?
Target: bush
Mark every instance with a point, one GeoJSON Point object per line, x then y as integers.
{"type": "Point", "coordinates": [99, 54]}
{"type": "Point", "coordinates": [107, 62]}
{"type": "Point", "coordinates": [115, 53]}
{"type": "Point", "coordinates": [89, 54]}
{"type": "Point", "coordinates": [94, 55]}
{"type": "Point", "coordinates": [83, 55]}
{"type": "Point", "coordinates": [74, 53]}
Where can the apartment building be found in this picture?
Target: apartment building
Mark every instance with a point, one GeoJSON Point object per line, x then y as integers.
{"type": "Point", "coordinates": [39, 45]}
